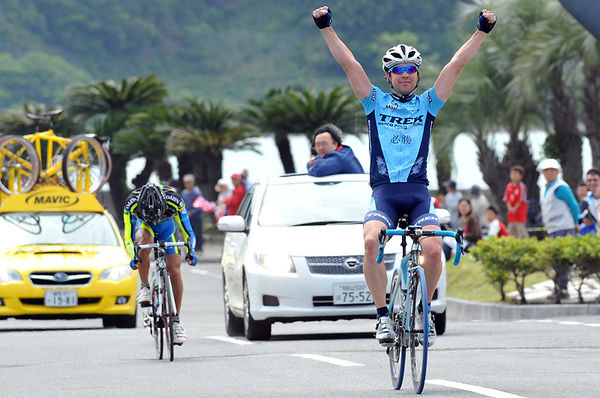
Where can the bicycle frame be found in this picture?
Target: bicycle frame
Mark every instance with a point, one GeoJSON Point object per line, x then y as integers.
{"type": "Point", "coordinates": [159, 275]}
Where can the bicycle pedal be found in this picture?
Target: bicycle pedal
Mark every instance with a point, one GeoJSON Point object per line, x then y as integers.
{"type": "Point", "coordinates": [145, 304]}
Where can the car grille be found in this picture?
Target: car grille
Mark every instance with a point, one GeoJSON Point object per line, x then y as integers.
{"type": "Point", "coordinates": [337, 265]}
{"type": "Point", "coordinates": [60, 278]}
{"type": "Point", "coordinates": [40, 301]}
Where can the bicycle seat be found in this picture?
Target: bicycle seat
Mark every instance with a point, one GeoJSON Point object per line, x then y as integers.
{"type": "Point", "coordinates": [54, 112]}
{"type": "Point", "coordinates": [37, 117]}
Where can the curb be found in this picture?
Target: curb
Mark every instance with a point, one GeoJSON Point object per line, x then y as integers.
{"type": "Point", "coordinates": [465, 310]}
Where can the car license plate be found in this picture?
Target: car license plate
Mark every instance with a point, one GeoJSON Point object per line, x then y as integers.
{"type": "Point", "coordinates": [351, 293]}
{"type": "Point", "coordinates": [60, 298]}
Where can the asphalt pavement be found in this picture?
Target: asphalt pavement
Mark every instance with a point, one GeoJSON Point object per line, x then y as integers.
{"type": "Point", "coordinates": [539, 296]}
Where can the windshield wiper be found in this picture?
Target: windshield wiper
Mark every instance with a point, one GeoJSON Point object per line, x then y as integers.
{"type": "Point", "coordinates": [325, 223]}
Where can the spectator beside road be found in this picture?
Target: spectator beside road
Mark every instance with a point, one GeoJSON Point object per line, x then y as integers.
{"type": "Point", "coordinates": [592, 199]}
{"type": "Point", "coordinates": [189, 194]}
{"type": "Point", "coordinates": [496, 227]}
{"type": "Point", "coordinates": [480, 204]}
{"type": "Point", "coordinates": [224, 190]}
{"type": "Point", "coordinates": [452, 198]}
{"type": "Point", "coordinates": [244, 175]}
{"type": "Point", "coordinates": [588, 222]}
{"type": "Point", "coordinates": [332, 157]}
{"type": "Point", "coordinates": [470, 224]}
{"type": "Point", "coordinates": [239, 190]}
{"type": "Point", "coordinates": [515, 196]}
{"type": "Point", "coordinates": [560, 210]}
{"type": "Point", "coordinates": [581, 195]}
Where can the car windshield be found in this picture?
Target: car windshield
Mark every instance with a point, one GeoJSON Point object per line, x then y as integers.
{"type": "Point", "coordinates": [315, 203]}
{"type": "Point", "coordinates": [73, 228]}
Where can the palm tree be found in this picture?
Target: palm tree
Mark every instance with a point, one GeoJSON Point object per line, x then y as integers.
{"type": "Point", "coordinates": [482, 103]}
{"type": "Point", "coordinates": [108, 105]}
{"type": "Point", "coordinates": [145, 135]}
{"type": "Point", "coordinates": [203, 129]}
{"type": "Point", "coordinates": [301, 111]}
{"type": "Point", "coordinates": [546, 71]}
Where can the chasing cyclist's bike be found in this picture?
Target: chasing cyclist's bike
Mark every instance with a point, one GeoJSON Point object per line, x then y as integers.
{"type": "Point", "coordinates": [161, 314]}
{"type": "Point", "coordinates": [408, 306]}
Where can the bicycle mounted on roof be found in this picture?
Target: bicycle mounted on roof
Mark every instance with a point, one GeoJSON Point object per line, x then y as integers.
{"type": "Point", "coordinates": [81, 163]}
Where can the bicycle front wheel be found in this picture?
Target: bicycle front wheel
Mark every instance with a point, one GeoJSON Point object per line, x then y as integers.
{"type": "Point", "coordinates": [419, 336]}
{"type": "Point", "coordinates": [19, 165]}
{"type": "Point", "coordinates": [168, 315]}
{"type": "Point", "coordinates": [84, 167]}
{"type": "Point", "coordinates": [157, 327]}
{"type": "Point", "coordinates": [397, 352]}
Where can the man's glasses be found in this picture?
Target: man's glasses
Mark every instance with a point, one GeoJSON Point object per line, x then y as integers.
{"type": "Point", "coordinates": [398, 70]}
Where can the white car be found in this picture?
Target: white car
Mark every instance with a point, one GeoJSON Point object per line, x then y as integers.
{"type": "Point", "coordinates": [295, 251]}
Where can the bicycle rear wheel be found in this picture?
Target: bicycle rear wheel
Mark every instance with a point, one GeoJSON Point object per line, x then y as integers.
{"type": "Point", "coordinates": [397, 352]}
{"type": "Point", "coordinates": [418, 349]}
{"type": "Point", "coordinates": [84, 166]}
{"type": "Point", "coordinates": [19, 165]}
{"type": "Point", "coordinates": [168, 316]}
{"type": "Point", "coordinates": [157, 327]}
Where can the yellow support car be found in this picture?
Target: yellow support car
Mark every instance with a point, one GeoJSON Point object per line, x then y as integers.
{"type": "Point", "coordinates": [62, 256]}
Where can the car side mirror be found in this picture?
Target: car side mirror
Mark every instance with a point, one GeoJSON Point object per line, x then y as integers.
{"type": "Point", "coordinates": [232, 224]}
{"type": "Point", "coordinates": [443, 215]}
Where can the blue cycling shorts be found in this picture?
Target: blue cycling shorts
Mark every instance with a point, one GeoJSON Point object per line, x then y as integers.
{"type": "Point", "coordinates": [162, 230]}
{"type": "Point", "coordinates": [391, 201]}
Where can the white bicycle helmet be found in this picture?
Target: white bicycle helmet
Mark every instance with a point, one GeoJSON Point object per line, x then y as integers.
{"type": "Point", "coordinates": [400, 53]}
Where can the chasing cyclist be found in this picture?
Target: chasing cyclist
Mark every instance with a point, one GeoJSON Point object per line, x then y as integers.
{"type": "Point", "coordinates": [400, 125]}
{"type": "Point", "coordinates": [156, 206]}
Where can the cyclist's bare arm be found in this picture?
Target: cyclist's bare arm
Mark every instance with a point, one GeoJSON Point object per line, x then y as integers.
{"type": "Point", "coordinates": [361, 85]}
{"type": "Point", "coordinates": [445, 82]}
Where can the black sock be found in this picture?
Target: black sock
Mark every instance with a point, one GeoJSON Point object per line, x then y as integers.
{"type": "Point", "coordinates": [382, 311]}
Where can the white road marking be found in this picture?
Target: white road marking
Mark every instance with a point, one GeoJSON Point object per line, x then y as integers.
{"type": "Point", "coordinates": [594, 325]}
{"type": "Point", "coordinates": [229, 340]}
{"type": "Point", "coordinates": [569, 323]}
{"type": "Point", "coordinates": [488, 392]}
{"type": "Point", "coordinates": [334, 361]}
{"type": "Point", "coordinates": [204, 273]}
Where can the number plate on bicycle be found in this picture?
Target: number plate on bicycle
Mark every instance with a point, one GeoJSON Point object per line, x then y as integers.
{"type": "Point", "coordinates": [351, 293]}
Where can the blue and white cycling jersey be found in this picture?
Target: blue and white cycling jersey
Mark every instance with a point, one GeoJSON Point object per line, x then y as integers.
{"type": "Point", "coordinates": [399, 134]}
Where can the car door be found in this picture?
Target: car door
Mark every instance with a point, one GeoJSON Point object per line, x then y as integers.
{"type": "Point", "coordinates": [237, 243]}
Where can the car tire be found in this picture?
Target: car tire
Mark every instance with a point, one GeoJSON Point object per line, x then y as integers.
{"type": "Point", "coordinates": [234, 326]}
{"type": "Point", "coordinates": [439, 319]}
{"type": "Point", "coordinates": [120, 321]}
{"type": "Point", "coordinates": [254, 330]}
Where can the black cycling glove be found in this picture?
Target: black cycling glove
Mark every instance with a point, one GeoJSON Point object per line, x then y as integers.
{"type": "Point", "coordinates": [484, 25]}
{"type": "Point", "coordinates": [324, 21]}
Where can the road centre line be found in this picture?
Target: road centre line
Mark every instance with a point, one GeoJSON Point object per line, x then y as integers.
{"type": "Point", "coordinates": [333, 361]}
{"type": "Point", "coordinates": [488, 392]}
{"type": "Point", "coordinates": [229, 340]}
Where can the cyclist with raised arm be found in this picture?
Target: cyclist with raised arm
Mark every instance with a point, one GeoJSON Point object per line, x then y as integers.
{"type": "Point", "coordinates": [158, 207]}
{"type": "Point", "coordinates": [400, 125]}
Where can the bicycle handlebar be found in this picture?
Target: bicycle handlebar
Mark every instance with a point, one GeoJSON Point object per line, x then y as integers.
{"type": "Point", "coordinates": [162, 245]}
{"type": "Point", "coordinates": [416, 232]}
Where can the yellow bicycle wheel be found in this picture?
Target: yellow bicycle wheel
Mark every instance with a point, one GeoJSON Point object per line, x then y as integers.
{"type": "Point", "coordinates": [84, 164]}
{"type": "Point", "coordinates": [19, 165]}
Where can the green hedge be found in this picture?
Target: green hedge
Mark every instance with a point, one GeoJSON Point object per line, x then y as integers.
{"type": "Point", "coordinates": [509, 258]}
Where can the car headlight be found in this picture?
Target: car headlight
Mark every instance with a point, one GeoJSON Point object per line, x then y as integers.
{"type": "Point", "coordinates": [116, 273]}
{"type": "Point", "coordinates": [9, 275]}
{"type": "Point", "coordinates": [276, 262]}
